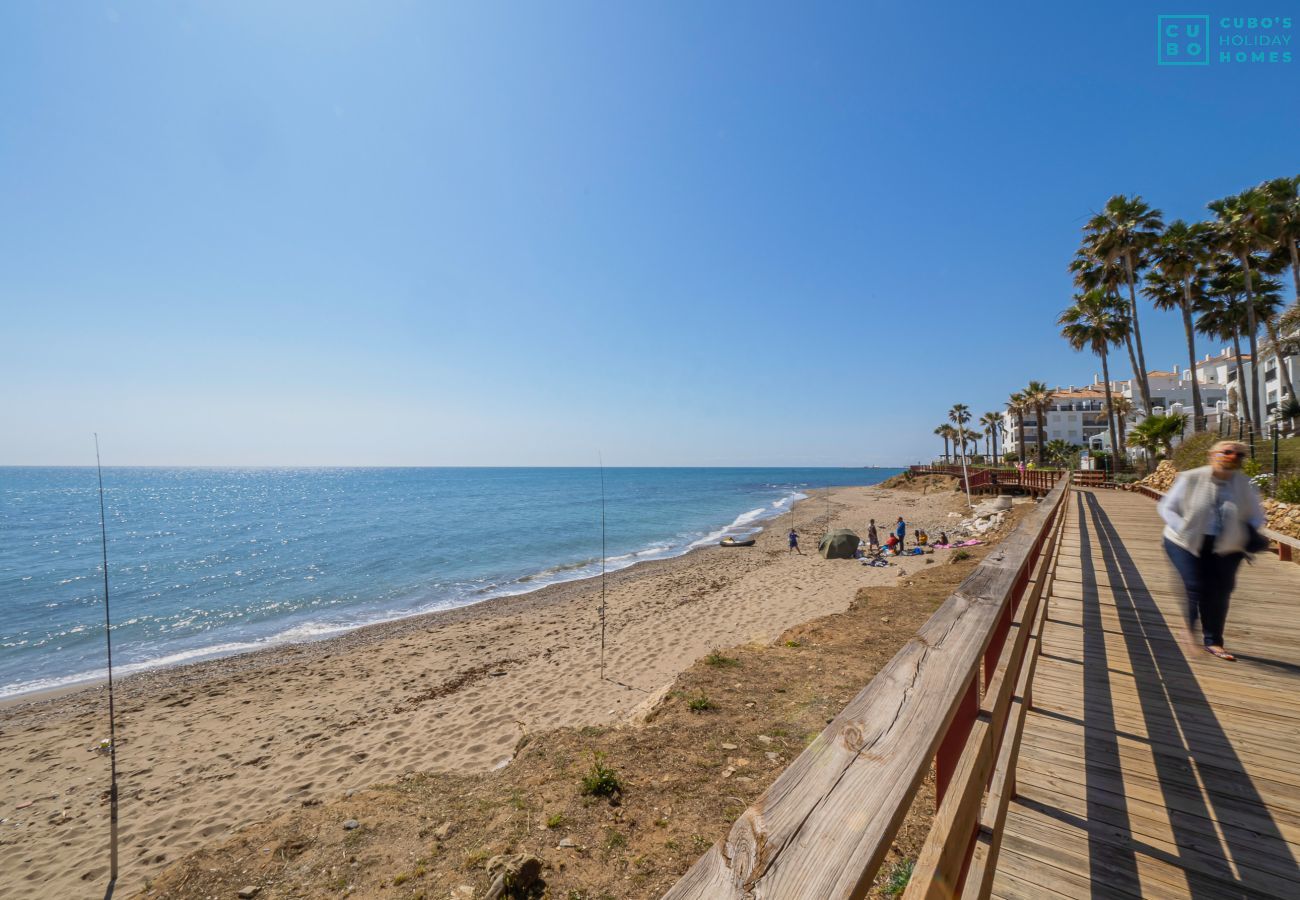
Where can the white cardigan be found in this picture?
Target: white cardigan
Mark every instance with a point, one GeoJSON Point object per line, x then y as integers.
{"type": "Point", "coordinates": [1189, 506]}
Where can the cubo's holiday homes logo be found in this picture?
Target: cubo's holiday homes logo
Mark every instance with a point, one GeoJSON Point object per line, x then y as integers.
{"type": "Point", "coordinates": [1199, 40]}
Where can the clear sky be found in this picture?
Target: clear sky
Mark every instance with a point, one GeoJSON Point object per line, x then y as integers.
{"type": "Point", "coordinates": [679, 233]}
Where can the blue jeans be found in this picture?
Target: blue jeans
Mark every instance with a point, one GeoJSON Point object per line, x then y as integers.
{"type": "Point", "coordinates": [1208, 580]}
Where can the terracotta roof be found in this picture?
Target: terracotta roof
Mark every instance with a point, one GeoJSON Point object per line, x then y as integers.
{"type": "Point", "coordinates": [1078, 392]}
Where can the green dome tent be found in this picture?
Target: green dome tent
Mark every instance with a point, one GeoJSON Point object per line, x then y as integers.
{"type": "Point", "coordinates": [839, 544]}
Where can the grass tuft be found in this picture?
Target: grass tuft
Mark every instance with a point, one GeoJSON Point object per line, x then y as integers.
{"type": "Point", "coordinates": [700, 703]}
{"type": "Point", "coordinates": [898, 878]}
{"type": "Point", "coordinates": [601, 781]}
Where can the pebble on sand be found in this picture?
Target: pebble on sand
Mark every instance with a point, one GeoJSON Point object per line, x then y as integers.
{"type": "Point", "coordinates": [351, 824]}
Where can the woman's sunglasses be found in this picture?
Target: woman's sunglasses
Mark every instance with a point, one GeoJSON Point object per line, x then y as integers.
{"type": "Point", "coordinates": [1234, 454]}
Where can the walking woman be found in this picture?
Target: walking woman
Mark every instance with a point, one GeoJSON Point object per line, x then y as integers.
{"type": "Point", "coordinates": [1206, 515]}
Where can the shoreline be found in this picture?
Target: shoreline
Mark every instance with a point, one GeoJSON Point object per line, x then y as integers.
{"type": "Point", "coordinates": [749, 529]}
{"type": "Point", "coordinates": [207, 748]}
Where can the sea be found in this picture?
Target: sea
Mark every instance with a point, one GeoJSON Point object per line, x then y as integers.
{"type": "Point", "coordinates": [207, 562]}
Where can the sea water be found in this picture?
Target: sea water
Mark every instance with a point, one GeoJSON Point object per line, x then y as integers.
{"type": "Point", "coordinates": [210, 562]}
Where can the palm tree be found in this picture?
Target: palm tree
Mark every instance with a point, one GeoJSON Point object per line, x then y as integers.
{"type": "Point", "coordinates": [1156, 434]}
{"type": "Point", "coordinates": [944, 431]}
{"type": "Point", "coordinates": [959, 415]}
{"type": "Point", "coordinates": [1061, 453]}
{"type": "Point", "coordinates": [1180, 257]}
{"type": "Point", "coordinates": [1095, 323]}
{"type": "Point", "coordinates": [1225, 315]}
{"type": "Point", "coordinates": [1239, 233]}
{"type": "Point", "coordinates": [992, 421]}
{"type": "Point", "coordinates": [1283, 196]}
{"type": "Point", "coordinates": [1125, 230]}
{"type": "Point", "coordinates": [1123, 408]}
{"type": "Point", "coordinates": [1091, 274]}
{"type": "Point", "coordinates": [1016, 406]}
{"type": "Point", "coordinates": [1038, 396]}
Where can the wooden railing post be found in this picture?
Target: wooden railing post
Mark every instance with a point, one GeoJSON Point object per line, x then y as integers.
{"type": "Point", "coordinates": [998, 638]}
{"type": "Point", "coordinates": [945, 761]}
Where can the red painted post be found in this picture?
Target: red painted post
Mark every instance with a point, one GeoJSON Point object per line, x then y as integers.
{"type": "Point", "coordinates": [1000, 631]}
{"type": "Point", "coordinates": [945, 761]}
{"type": "Point", "coordinates": [1283, 552]}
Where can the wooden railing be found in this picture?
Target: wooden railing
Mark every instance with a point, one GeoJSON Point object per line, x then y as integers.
{"type": "Point", "coordinates": [953, 695]}
{"type": "Point", "coordinates": [1288, 548]}
{"type": "Point", "coordinates": [1040, 480]}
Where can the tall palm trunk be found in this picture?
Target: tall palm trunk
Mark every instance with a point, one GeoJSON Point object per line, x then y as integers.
{"type": "Point", "coordinates": [1020, 433]}
{"type": "Point", "coordinates": [1198, 408]}
{"type": "Point", "coordinates": [1241, 374]}
{"type": "Point", "coordinates": [1116, 450]}
{"type": "Point", "coordinates": [945, 449]}
{"type": "Point", "coordinates": [1140, 364]}
{"type": "Point", "coordinates": [1295, 267]}
{"type": "Point", "coordinates": [1040, 410]}
{"type": "Point", "coordinates": [1252, 335]}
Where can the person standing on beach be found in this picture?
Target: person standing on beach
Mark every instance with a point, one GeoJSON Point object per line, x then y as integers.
{"type": "Point", "coordinates": [873, 536]}
{"type": "Point", "coordinates": [794, 543]}
{"type": "Point", "coordinates": [901, 530]}
{"type": "Point", "coordinates": [1209, 513]}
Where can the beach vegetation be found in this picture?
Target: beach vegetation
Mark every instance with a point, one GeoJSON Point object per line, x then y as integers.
{"type": "Point", "coordinates": [1288, 489]}
{"type": "Point", "coordinates": [1156, 434]}
{"type": "Point", "coordinates": [959, 555]}
{"type": "Point", "coordinates": [614, 839]}
{"type": "Point", "coordinates": [601, 780]}
{"type": "Point", "coordinates": [700, 703]}
{"type": "Point", "coordinates": [475, 858]}
{"type": "Point", "coordinates": [793, 645]}
{"type": "Point", "coordinates": [896, 881]}
{"type": "Point", "coordinates": [555, 820]}
{"type": "Point", "coordinates": [718, 658]}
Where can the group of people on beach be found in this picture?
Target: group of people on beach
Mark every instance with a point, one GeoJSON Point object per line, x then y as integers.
{"type": "Point", "coordinates": [894, 544]}
{"type": "Point", "coordinates": [897, 540]}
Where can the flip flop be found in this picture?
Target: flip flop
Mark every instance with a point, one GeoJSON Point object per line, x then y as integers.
{"type": "Point", "coordinates": [1221, 653]}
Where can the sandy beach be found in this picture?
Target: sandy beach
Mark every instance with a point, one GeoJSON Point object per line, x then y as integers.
{"type": "Point", "coordinates": [208, 748]}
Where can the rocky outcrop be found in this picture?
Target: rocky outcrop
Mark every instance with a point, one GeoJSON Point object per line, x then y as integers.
{"type": "Point", "coordinates": [1283, 517]}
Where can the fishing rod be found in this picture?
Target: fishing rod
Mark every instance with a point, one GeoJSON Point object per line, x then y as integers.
{"type": "Point", "coordinates": [112, 719]}
{"type": "Point", "coordinates": [601, 458]}
{"type": "Point", "coordinates": [603, 677]}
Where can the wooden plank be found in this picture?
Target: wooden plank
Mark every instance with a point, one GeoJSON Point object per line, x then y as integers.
{"type": "Point", "coordinates": [988, 846]}
{"type": "Point", "coordinates": [823, 827]}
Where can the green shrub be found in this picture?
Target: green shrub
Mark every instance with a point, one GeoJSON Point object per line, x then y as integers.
{"type": "Point", "coordinates": [717, 659]}
{"type": "Point", "coordinates": [601, 781]}
{"type": "Point", "coordinates": [555, 821]}
{"type": "Point", "coordinates": [700, 703]}
{"type": "Point", "coordinates": [1288, 489]}
{"type": "Point", "coordinates": [1252, 467]}
{"type": "Point", "coordinates": [898, 878]}
{"type": "Point", "coordinates": [959, 555]}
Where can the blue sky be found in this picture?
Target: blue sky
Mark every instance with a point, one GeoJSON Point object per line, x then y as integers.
{"type": "Point", "coordinates": [491, 234]}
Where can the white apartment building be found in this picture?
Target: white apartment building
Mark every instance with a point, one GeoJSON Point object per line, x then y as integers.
{"type": "Point", "coordinates": [1222, 370]}
{"type": "Point", "coordinates": [1077, 415]}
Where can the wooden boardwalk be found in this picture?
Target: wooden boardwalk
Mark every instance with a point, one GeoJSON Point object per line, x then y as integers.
{"type": "Point", "coordinates": [1147, 769]}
